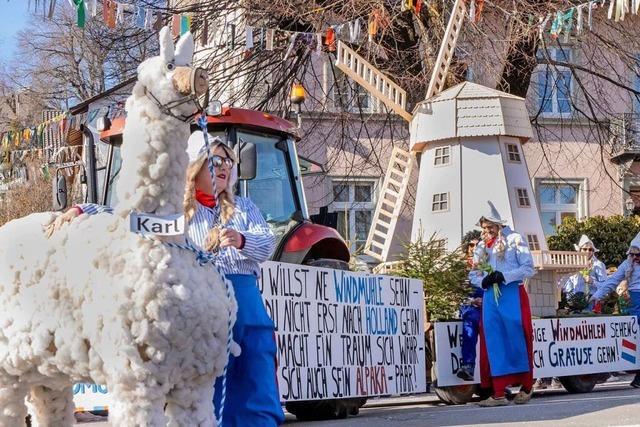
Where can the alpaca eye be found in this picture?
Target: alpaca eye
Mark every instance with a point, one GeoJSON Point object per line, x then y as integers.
{"type": "Point", "coordinates": [170, 66]}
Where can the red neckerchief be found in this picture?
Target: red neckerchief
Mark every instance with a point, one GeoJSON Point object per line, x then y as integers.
{"type": "Point", "coordinates": [205, 199]}
{"type": "Point", "coordinates": [491, 242]}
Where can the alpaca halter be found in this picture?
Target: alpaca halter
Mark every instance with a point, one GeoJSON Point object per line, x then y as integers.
{"type": "Point", "coordinates": [192, 97]}
{"type": "Point", "coordinates": [166, 108]}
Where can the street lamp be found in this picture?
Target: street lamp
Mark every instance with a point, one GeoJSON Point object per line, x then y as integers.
{"type": "Point", "coordinates": [629, 205]}
{"type": "Point", "coordinates": [297, 98]}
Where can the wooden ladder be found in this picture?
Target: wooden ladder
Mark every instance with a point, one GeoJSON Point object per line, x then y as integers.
{"type": "Point", "coordinates": [389, 204]}
{"type": "Point", "coordinates": [369, 77]}
{"type": "Point", "coordinates": [447, 48]}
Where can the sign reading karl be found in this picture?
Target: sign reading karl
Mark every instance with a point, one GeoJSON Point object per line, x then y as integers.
{"type": "Point", "coordinates": [344, 334]}
{"type": "Point", "coordinates": [561, 347]}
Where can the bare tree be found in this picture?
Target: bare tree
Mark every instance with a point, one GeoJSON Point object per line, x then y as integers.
{"type": "Point", "coordinates": [63, 64]}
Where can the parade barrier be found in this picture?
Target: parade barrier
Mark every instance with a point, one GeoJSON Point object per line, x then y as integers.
{"type": "Point", "coordinates": [562, 347]}
{"type": "Point", "coordinates": [339, 334]}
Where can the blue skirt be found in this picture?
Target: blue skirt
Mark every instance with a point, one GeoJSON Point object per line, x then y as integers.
{"type": "Point", "coordinates": [252, 398]}
{"type": "Point", "coordinates": [503, 331]}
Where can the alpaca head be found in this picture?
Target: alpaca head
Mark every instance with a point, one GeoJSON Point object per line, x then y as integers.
{"type": "Point", "coordinates": [169, 78]}
{"type": "Point", "coordinates": [163, 102]}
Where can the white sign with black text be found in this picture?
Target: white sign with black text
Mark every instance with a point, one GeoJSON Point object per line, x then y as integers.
{"type": "Point", "coordinates": [338, 334]}
{"type": "Point", "coordinates": [561, 347]}
{"type": "Point", "coordinates": [344, 334]}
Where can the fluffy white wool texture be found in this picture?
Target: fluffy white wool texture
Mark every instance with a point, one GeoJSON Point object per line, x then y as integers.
{"type": "Point", "coordinates": [97, 303]}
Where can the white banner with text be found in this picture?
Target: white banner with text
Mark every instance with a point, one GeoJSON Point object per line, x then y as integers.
{"type": "Point", "coordinates": [344, 334]}
{"type": "Point", "coordinates": [338, 334]}
{"type": "Point", "coordinates": [561, 347]}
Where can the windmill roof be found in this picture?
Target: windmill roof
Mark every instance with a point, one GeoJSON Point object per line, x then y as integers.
{"type": "Point", "coordinates": [468, 110]}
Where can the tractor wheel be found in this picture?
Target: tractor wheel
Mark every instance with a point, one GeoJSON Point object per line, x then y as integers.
{"type": "Point", "coordinates": [331, 409]}
{"type": "Point", "coordinates": [580, 383]}
{"type": "Point", "coordinates": [456, 394]}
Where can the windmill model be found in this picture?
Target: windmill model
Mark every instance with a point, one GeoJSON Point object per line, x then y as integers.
{"type": "Point", "coordinates": [458, 132]}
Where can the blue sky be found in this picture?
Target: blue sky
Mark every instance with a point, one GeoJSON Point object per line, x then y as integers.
{"type": "Point", "coordinates": [13, 17]}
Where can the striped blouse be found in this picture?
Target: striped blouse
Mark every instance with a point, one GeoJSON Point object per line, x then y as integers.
{"type": "Point", "coordinates": [247, 220]}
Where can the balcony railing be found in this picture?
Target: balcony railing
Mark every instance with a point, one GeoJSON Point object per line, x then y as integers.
{"type": "Point", "coordinates": [560, 261]}
{"type": "Point", "coordinates": [557, 261]}
{"type": "Point", "coordinates": [625, 134]}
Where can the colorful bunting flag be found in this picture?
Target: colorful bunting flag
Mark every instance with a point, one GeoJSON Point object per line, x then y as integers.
{"type": "Point", "coordinates": [185, 24]}
{"type": "Point", "coordinates": [80, 16]}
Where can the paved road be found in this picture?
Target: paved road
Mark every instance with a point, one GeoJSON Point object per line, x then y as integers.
{"type": "Point", "coordinates": [611, 404]}
{"type": "Point", "coordinates": [608, 405]}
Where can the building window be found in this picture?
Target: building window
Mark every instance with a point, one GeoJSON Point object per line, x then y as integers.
{"type": "Point", "coordinates": [558, 201]}
{"type": "Point", "coordinates": [513, 153]}
{"type": "Point", "coordinates": [554, 83]}
{"type": "Point", "coordinates": [534, 243]}
{"type": "Point", "coordinates": [442, 156]}
{"type": "Point", "coordinates": [523, 198]}
{"type": "Point", "coordinates": [634, 194]}
{"type": "Point", "coordinates": [348, 95]}
{"type": "Point", "coordinates": [440, 202]}
{"type": "Point", "coordinates": [354, 202]}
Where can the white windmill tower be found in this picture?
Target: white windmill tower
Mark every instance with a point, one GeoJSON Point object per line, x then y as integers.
{"type": "Point", "coordinates": [470, 141]}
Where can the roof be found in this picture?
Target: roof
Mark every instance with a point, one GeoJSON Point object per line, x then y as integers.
{"type": "Point", "coordinates": [84, 105]}
{"type": "Point", "coordinates": [252, 119]}
{"type": "Point", "coordinates": [468, 110]}
{"type": "Point", "coordinates": [249, 119]}
{"type": "Point", "coordinates": [470, 90]}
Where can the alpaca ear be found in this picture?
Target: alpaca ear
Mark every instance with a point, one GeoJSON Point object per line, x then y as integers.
{"type": "Point", "coordinates": [166, 45]}
{"type": "Point", "coordinates": [184, 49]}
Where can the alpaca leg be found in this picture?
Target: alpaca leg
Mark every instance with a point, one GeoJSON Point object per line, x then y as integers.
{"type": "Point", "coordinates": [52, 407]}
{"type": "Point", "coordinates": [191, 404]}
{"type": "Point", "coordinates": [12, 407]}
{"type": "Point", "coordinates": [137, 406]}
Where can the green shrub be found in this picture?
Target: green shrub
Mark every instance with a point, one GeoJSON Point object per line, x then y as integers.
{"type": "Point", "coordinates": [611, 235]}
{"type": "Point", "coordinates": [442, 273]}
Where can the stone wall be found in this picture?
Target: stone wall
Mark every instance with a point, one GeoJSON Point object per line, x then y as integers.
{"type": "Point", "coordinates": [543, 294]}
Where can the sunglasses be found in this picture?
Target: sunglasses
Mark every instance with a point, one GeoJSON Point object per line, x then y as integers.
{"type": "Point", "coordinates": [635, 255]}
{"type": "Point", "coordinates": [218, 161]}
{"type": "Point", "coordinates": [587, 249]}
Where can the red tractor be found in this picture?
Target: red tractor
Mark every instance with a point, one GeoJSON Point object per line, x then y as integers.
{"type": "Point", "coordinates": [270, 173]}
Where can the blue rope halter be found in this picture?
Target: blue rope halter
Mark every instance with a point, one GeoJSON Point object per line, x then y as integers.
{"type": "Point", "coordinates": [219, 412]}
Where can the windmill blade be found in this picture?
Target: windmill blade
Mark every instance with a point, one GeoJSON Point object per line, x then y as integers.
{"type": "Point", "coordinates": [447, 48]}
{"type": "Point", "coordinates": [396, 180]}
{"type": "Point", "coordinates": [389, 204]}
{"type": "Point", "coordinates": [370, 78]}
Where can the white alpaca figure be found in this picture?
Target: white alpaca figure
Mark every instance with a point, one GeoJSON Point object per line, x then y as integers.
{"type": "Point", "coordinates": [98, 303]}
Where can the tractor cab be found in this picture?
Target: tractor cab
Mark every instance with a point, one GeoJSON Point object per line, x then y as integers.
{"type": "Point", "coordinates": [269, 172]}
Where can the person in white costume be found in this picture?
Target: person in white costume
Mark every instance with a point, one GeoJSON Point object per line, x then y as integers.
{"type": "Point", "coordinates": [586, 281]}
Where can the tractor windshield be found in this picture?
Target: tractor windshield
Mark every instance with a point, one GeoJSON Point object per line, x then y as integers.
{"type": "Point", "coordinates": [272, 190]}
{"type": "Point", "coordinates": [116, 164]}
